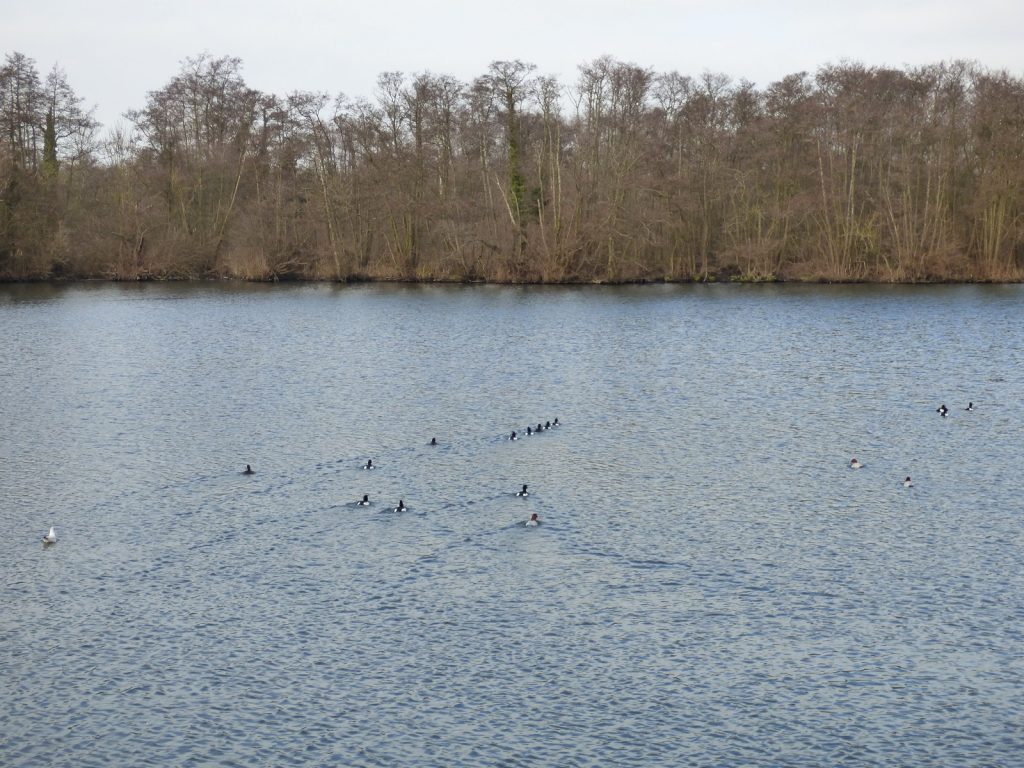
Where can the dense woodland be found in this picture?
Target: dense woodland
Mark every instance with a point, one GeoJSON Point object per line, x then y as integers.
{"type": "Point", "coordinates": [852, 173]}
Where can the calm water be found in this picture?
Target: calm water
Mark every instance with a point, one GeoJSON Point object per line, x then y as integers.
{"type": "Point", "coordinates": [712, 585]}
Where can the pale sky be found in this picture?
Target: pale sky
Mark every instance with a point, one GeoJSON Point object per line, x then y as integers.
{"type": "Point", "coordinates": [115, 51]}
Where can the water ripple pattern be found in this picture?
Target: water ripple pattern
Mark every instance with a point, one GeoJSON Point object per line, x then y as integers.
{"type": "Point", "coordinates": [711, 585]}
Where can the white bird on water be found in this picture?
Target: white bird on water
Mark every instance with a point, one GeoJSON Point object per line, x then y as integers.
{"type": "Point", "coordinates": [51, 537]}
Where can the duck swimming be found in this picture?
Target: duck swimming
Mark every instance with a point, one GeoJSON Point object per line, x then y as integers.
{"type": "Point", "coordinates": [529, 431]}
{"type": "Point", "coordinates": [365, 502]}
{"type": "Point", "coordinates": [51, 537]}
{"type": "Point", "coordinates": [513, 436]}
{"type": "Point", "coordinates": [248, 470]}
{"type": "Point", "coordinates": [943, 410]}
{"type": "Point", "coordinates": [523, 492]}
{"type": "Point", "coordinates": [368, 464]}
{"type": "Point", "coordinates": [854, 464]}
{"type": "Point", "coordinates": [547, 425]}
{"type": "Point", "coordinates": [534, 520]}
{"type": "Point", "coordinates": [555, 422]}
{"type": "Point", "coordinates": [433, 441]}
{"type": "Point", "coordinates": [970, 407]}
{"type": "Point", "coordinates": [401, 506]}
{"type": "Point", "coordinates": [907, 483]}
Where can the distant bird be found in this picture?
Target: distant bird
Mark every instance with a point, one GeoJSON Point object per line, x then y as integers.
{"type": "Point", "coordinates": [249, 470]}
{"type": "Point", "coordinates": [368, 464]}
{"type": "Point", "coordinates": [534, 520]}
{"type": "Point", "coordinates": [539, 427]}
{"type": "Point", "coordinates": [513, 436]}
{"type": "Point", "coordinates": [547, 425]}
{"type": "Point", "coordinates": [433, 441]}
{"type": "Point", "coordinates": [970, 407]}
{"type": "Point", "coordinates": [907, 483]}
{"type": "Point", "coordinates": [854, 464]}
{"type": "Point", "coordinates": [401, 506]}
{"type": "Point", "coordinates": [523, 492]}
{"type": "Point", "coordinates": [529, 431]}
{"type": "Point", "coordinates": [555, 422]}
{"type": "Point", "coordinates": [365, 501]}
{"type": "Point", "coordinates": [943, 410]}
{"type": "Point", "coordinates": [51, 537]}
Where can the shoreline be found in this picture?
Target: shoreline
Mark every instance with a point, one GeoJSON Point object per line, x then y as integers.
{"type": "Point", "coordinates": [508, 283]}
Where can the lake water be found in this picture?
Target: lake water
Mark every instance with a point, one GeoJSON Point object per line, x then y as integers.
{"type": "Point", "coordinates": [711, 585]}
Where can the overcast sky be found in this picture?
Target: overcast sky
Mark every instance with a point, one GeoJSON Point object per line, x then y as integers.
{"type": "Point", "coordinates": [114, 51]}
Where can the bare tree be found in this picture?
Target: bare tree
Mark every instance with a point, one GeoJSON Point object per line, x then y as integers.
{"type": "Point", "coordinates": [510, 85]}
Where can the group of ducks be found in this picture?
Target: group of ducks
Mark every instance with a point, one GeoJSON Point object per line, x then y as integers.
{"type": "Point", "coordinates": [534, 520]}
{"type": "Point", "coordinates": [942, 410]}
{"type": "Point", "coordinates": [365, 501]}
{"type": "Point", "coordinates": [531, 431]}
{"type": "Point", "coordinates": [51, 536]}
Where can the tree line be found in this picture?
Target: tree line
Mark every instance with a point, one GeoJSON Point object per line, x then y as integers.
{"type": "Point", "coordinates": [852, 173]}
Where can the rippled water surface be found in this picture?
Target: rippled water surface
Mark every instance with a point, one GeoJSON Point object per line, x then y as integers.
{"type": "Point", "coordinates": [711, 584]}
